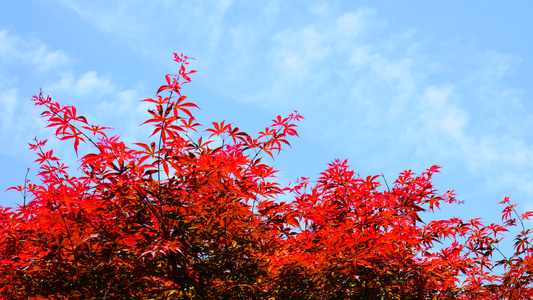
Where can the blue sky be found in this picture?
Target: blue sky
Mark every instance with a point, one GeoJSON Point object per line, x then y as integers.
{"type": "Point", "coordinates": [389, 85]}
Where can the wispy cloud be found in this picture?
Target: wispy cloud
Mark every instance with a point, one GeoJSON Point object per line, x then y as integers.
{"type": "Point", "coordinates": [88, 84]}
{"type": "Point", "coordinates": [8, 103]}
{"type": "Point", "coordinates": [394, 97]}
{"type": "Point", "coordinates": [154, 28]}
{"type": "Point", "coordinates": [33, 59]}
{"type": "Point", "coordinates": [23, 52]}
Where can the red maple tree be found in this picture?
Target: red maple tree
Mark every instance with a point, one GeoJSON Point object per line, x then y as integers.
{"type": "Point", "coordinates": [184, 218]}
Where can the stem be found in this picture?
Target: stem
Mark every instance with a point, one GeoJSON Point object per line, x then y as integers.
{"type": "Point", "coordinates": [69, 236]}
{"type": "Point", "coordinates": [76, 128]}
{"type": "Point", "coordinates": [24, 194]}
{"type": "Point", "coordinates": [385, 179]}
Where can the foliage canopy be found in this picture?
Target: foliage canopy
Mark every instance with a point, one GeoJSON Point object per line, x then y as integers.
{"type": "Point", "coordinates": [184, 218]}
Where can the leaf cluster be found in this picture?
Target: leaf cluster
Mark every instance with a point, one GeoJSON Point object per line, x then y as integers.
{"type": "Point", "coordinates": [191, 218]}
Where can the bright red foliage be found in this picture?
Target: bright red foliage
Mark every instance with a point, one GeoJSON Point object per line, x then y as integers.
{"type": "Point", "coordinates": [179, 218]}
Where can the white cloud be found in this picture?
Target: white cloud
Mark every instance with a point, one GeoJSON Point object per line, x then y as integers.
{"type": "Point", "coordinates": [469, 116]}
{"type": "Point", "coordinates": [88, 84]}
{"type": "Point", "coordinates": [297, 52]}
{"type": "Point", "coordinates": [19, 122]}
{"type": "Point", "coordinates": [355, 79]}
{"type": "Point", "coordinates": [123, 112]}
{"type": "Point", "coordinates": [30, 52]}
{"type": "Point", "coordinates": [41, 65]}
{"type": "Point", "coordinates": [441, 116]}
{"type": "Point", "coordinates": [8, 102]}
{"type": "Point", "coordinates": [22, 62]}
{"type": "Point", "coordinates": [153, 28]}
{"type": "Point", "coordinates": [352, 24]}
{"type": "Point", "coordinates": [361, 56]}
